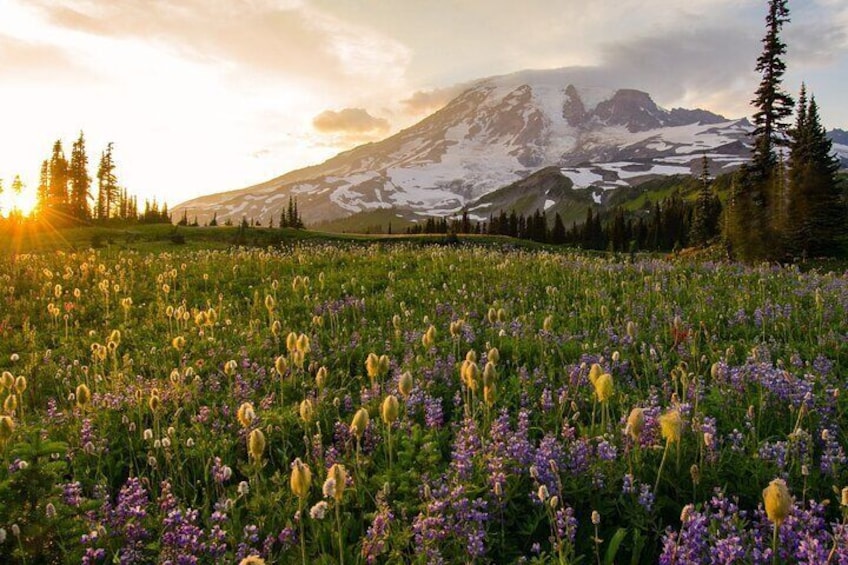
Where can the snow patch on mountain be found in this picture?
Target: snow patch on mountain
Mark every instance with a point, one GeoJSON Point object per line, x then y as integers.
{"type": "Point", "coordinates": [498, 131]}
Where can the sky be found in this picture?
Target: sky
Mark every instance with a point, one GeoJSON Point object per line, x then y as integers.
{"type": "Point", "coordinates": [203, 96]}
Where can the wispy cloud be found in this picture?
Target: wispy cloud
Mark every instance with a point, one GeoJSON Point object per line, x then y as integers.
{"type": "Point", "coordinates": [30, 60]}
{"type": "Point", "coordinates": [349, 120]}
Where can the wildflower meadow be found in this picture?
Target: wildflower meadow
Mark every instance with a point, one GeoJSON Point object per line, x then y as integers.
{"type": "Point", "coordinates": [401, 403]}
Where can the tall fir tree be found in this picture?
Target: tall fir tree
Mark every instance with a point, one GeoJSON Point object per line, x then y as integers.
{"type": "Point", "coordinates": [58, 191]}
{"type": "Point", "coordinates": [42, 193]}
{"type": "Point", "coordinates": [774, 105]}
{"type": "Point", "coordinates": [754, 217]}
{"type": "Point", "coordinates": [707, 210]}
{"type": "Point", "coordinates": [107, 185]}
{"type": "Point", "coordinates": [79, 180]}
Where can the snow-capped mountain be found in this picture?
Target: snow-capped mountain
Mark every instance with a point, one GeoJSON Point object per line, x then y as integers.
{"type": "Point", "coordinates": [839, 137]}
{"type": "Point", "coordinates": [498, 131]}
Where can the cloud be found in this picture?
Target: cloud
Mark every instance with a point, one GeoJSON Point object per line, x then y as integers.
{"type": "Point", "coordinates": [21, 59]}
{"type": "Point", "coordinates": [349, 121]}
{"type": "Point", "coordinates": [426, 101]}
{"type": "Point", "coordinates": [283, 38]}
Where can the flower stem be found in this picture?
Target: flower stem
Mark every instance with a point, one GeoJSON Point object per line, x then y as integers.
{"type": "Point", "coordinates": [662, 464]}
{"type": "Point", "coordinates": [339, 528]}
{"type": "Point", "coordinates": [774, 545]}
{"type": "Point", "coordinates": [302, 533]}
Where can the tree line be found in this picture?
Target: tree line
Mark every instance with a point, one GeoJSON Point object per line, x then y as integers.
{"type": "Point", "coordinates": [666, 225]}
{"type": "Point", "coordinates": [65, 192]}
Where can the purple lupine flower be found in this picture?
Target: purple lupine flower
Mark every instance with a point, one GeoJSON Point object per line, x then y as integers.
{"type": "Point", "coordinates": [566, 524]}
{"type": "Point", "coordinates": [550, 456]}
{"type": "Point", "coordinates": [646, 497]}
{"type": "Point", "coordinates": [72, 494]}
{"type": "Point", "coordinates": [377, 535]}
{"type": "Point", "coordinates": [450, 519]}
{"type": "Point", "coordinates": [433, 414]}
{"type": "Point", "coordinates": [288, 537]}
{"type": "Point", "coordinates": [127, 518]}
{"type": "Point", "coordinates": [466, 444]}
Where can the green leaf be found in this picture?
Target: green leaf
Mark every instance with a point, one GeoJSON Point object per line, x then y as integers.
{"type": "Point", "coordinates": [614, 544]}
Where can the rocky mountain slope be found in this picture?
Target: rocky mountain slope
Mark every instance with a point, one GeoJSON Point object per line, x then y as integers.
{"type": "Point", "coordinates": [494, 134]}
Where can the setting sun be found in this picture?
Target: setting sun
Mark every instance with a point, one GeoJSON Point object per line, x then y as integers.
{"type": "Point", "coordinates": [12, 202]}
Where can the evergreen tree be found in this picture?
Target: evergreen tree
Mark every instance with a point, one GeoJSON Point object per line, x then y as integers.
{"type": "Point", "coordinates": [816, 211]}
{"type": "Point", "coordinates": [558, 233]}
{"type": "Point", "coordinates": [297, 223]}
{"type": "Point", "coordinates": [707, 210]}
{"type": "Point", "coordinates": [79, 180]}
{"type": "Point", "coordinates": [43, 190]}
{"type": "Point", "coordinates": [58, 191]}
{"type": "Point", "coordinates": [756, 214]}
{"type": "Point", "coordinates": [773, 104]}
{"type": "Point", "coordinates": [107, 185]}
{"type": "Point", "coordinates": [214, 221]}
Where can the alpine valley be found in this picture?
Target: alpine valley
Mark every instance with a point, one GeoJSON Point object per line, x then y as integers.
{"type": "Point", "coordinates": [528, 141]}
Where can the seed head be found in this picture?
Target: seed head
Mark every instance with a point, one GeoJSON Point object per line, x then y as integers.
{"type": "Point", "coordinates": [636, 423]}
{"type": "Point", "coordinates": [291, 341]}
{"type": "Point", "coordinates": [359, 423]}
{"type": "Point", "coordinates": [671, 426]}
{"type": "Point", "coordinates": [83, 395]}
{"type": "Point", "coordinates": [303, 344]}
{"type": "Point", "coordinates": [301, 478]}
{"type": "Point", "coordinates": [245, 414]}
{"type": "Point", "coordinates": [493, 355]}
{"type": "Point", "coordinates": [281, 365]}
{"type": "Point", "coordinates": [307, 411]}
{"type": "Point", "coordinates": [594, 372]}
{"type": "Point", "coordinates": [7, 427]}
{"type": "Point", "coordinates": [604, 387]}
{"type": "Point", "coordinates": [337, 474]}
{"type": "Point", "coordinates": [405, 384]}
{"type": "Point", "coordinates": [372, 365]}
{"type": "Point", "coordinates": [389, 410]}
{"type": "Point", "coordinates": [777, 500]}
{"type": "Point", "coordinates": [321, 378]}
{"type": "Point", "coordinates": [429, 337]}
{"type": "Point", "coordinates": [256, 444]}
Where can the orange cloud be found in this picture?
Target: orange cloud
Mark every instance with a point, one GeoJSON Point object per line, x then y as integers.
{"type": "Point", "coordinates": [426, 101]}
{"type": "Point", "coordinates": [349, 121]}
{"type": "Point", "coordinates": [23, 59]}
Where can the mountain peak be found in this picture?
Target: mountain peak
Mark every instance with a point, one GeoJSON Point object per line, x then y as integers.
{"type": "Point", "coordinates": [496, 132]}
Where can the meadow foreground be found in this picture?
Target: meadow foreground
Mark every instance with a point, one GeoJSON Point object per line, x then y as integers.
{"type": "Point", "coordinates": [420, 404]}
